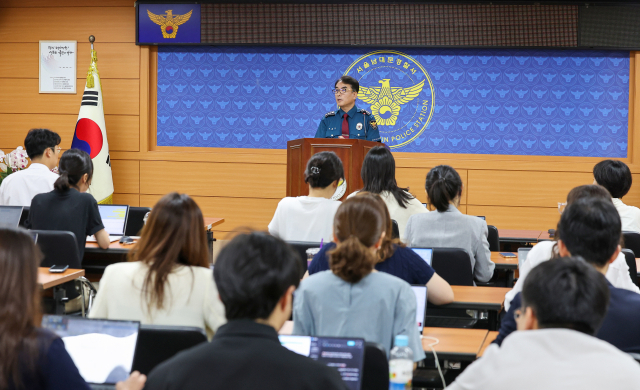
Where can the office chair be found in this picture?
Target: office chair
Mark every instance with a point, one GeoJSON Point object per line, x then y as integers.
{"type": "Point", "coordinates": [494, 239]}
{"type": "Point", "coordinates": [453, 265]}
{"type": "Point", "coordinates": [301, 248]}
{"type": "Point", "coordinates": [135, 220]}
{"type": "Point", "coordinates": [61, 248]}
{"type": "Point", "coordinates": [630, 258]}
{"type": "Point", "coordinates": [375, 373]}
{"type": "Point", "coordinates": [24, 216]}
{"type": "Point", "coordinates": [157, 343]}
{"type": "Point", "coordinates": [395, 230]}
{"type": "Point", "coordinates": [632, 241]}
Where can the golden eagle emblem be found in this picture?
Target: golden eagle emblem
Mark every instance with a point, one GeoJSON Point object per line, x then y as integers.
{"type": "Point", "coordinates": [387, 99]}
{"type": "Point", "coordinates": [169, 23]}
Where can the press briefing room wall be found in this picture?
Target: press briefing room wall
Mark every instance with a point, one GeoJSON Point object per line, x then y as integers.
{"type": "Point", "coordinates": [241, 185]}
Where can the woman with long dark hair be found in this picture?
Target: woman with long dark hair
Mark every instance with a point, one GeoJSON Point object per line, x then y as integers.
{"type": "Point", "coordinates": [379, 177]}
{"type": "Point", "coordinates": [448, 227]}
{"type": "Point", "coordinates": [32, 358]}
{"type": "Point", "coordinates": [167, 280]}
{"type": "Point", "coordinates": [352, 299]}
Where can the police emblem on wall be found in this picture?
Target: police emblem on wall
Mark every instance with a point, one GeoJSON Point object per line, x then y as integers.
{"type": "Point", "coordinates": [399, 93]}
{"type": "Point", "coordinates": [159, 23]}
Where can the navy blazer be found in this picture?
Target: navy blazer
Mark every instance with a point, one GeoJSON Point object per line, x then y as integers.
{"type": "Point", "coordinates": [620, 327]}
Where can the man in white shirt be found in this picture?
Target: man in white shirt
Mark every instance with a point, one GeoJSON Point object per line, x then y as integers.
{"type": "Point", "coordinates": [616, 177]}
{"type": "Point", "coordinates": [19, 188]}
{"type": "Point", "coordinates": [563, 304]}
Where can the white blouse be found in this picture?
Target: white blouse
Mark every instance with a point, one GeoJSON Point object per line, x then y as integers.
{"type": "Point", "coordinates": [304, 218]}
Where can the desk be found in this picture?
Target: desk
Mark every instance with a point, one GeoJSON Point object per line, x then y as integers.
{"type": "Point", "coordinates": [211, 222]}
{"type": "Point", "coordinates": [544, 236]}
{"type": "Point", "coordinates": [48, 280]}
{"type": "Point", "coordinates": [454, 344]}
{"type": "Point", "coordinates": [510, 264]}
{"type": "Point", "coordinates": [511, 235]}
{"type": "Point", "coordinates": [490, 337]}
{"type": "Point", "coordinates": [479, 298]}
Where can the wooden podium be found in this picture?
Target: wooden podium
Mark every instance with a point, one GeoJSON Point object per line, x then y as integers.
{"type": "Point", "coordinates": [350, 151]}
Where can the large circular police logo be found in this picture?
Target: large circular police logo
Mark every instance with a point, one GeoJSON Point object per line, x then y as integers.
{"type": "Point", "coordinates": [399, 91]}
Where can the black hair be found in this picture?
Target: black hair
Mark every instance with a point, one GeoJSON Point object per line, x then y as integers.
{"type": "Point", "coordinates": [613, 175]}
{"type": "Point", "coordinates": [73, 164]}
{"type": "Point", "coordinates": [379, 174]}
{"type": "Point", "coordinates": [588, 191]}
{"type": "Point", "coordinates": [39, 140]}
{"type": "Point", "coordinates": [443, 185]}
{"type": "Point", "coordinates": [252, 272]}
{"type": "Point", "coordinates": [567, 293]}
{"type": "Point", "coordinates": [323, 169]}
{"type": "Point", "coordinates": [591, 228]}
{"type": "Point", "coordinates": [350, 81]}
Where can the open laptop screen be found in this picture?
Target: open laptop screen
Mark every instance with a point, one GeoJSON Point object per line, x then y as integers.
{"type": "Point", "coordinates": [10, 216]}
{"type": "Point", "coordinates": [421, 302]}
{"type": "Point", "coordinates": [425, 253]}
{"type": "Point", "coordinates": [102, 350]}
{"type": "Point", "coordinates": [114, 218]}
{"type": "Point", "coordinates": [343, 354]}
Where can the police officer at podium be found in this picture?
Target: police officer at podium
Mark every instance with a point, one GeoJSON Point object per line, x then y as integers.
{"type": "Point", "coordinates": [349, 121]}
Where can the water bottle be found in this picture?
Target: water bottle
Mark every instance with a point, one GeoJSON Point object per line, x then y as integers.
{"type": "Point", "coordinates": [400, 364]}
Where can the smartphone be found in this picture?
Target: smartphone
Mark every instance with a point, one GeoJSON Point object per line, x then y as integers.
{"type": "Point", "coordinates": [507, 254]}
{"type": "Point", "coordinates": [56, 269]}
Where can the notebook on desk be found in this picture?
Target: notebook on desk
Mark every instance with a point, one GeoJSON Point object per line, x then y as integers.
{"type": "Point", "coordinates": [114, 219]}
{"type": "Point", "coordinates": [344, 354]}
{"type": "Point", "coordinates": [103, 350]}
{"type": "Point", "coordinates": [10, 216]}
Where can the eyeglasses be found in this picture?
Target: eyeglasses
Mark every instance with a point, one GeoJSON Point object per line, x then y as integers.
{"type": "Point", "coordinates": [340, 90]}
{"type": "Point", "coordinates": [562, 206]}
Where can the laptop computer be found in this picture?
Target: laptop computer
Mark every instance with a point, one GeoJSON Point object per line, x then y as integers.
{"type": "Point", "coordinates": [344, 354]}
{"type": "Point", "coordinates": [114, 219]}
{"type": "Point", "coordinates": [10, 216]}
{"type": "Point", "coordinates": [425, 253]}
{"type": "Point", "coordinates": [421, 304]}
{"type": "Point", "coordinates": [103, 350]}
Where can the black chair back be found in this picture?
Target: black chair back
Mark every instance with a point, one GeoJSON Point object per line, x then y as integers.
{"type": "Point", "coordinates": [301, 248]}
{"type": "Point", "coordinates": [59, 248]}
{"type": "Point", "coordinates": [24, 216]}
{"type": "Point", "coordinates": [135, 220]}
{"type": "Point", "coordinates": [375, 375]}
{"type": "Point", "coordinates": [157, 343]}
{"type": "Point", "coordinates": [395, 230]}
{"type": "Point", "coordinates": [494, 239]}
{"type": "Point", "coordinates": [632, 241]}
{"type": "Point", "coordinates": [453, 265]}
{"type": "Point", "coordinates": [630, 257]}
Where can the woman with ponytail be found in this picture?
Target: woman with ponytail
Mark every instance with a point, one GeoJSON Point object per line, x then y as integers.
{"type": "Point", "coordinates": [352, 299]}
{"type": "Point", "coordinates": [68, 207]}
{"type": "Point", "coordinates": [448, 227]}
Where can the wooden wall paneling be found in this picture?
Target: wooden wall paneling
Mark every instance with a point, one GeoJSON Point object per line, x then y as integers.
{"type": "Point", "coordinates": [238, 212]}
{"type": "Point", "coordinates": [20, 96]}
{"type": "Point", "coordinates": [145, 81]}
{"type": "Point", "coordinates": [63, 3]}
{"type": "Point", "coordinates": [107, 24]}
{"type": "Point", "coordinates": [524, 218]}
{"type": "Point", "coordinates": [415, 178]}
{"type": "Point", "coordinates": [130, 199]}
{"type": "Point", "coordinates": [115, 60]}
{"type": "Point", "coordinates": [521, 188]}
{"type": "Point", "coordinates": [213, 179]}
{"type": "Point", "coordinates": [126, 176]}
{"type": "Point", "coordinates": [122, 130]}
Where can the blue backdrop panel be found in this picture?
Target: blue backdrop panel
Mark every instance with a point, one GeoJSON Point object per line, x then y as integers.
{"type": "Point", "coordinates": [544, 103]}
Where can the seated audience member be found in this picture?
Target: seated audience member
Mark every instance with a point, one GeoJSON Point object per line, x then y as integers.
{"type": "Point", "coordinates": [309, 218]}
{"type": "Point", "coordinates": [32, 357]}
{"type": "Point", "coordinates": [256, 276]}
{"type": "Point", "coordinates": [618, 272]}
{"type": "Point", "coordinates": [590, 228]}
{"type": "Point", "coordinates": [616, 177]}
{"type": "Point", "coordinates": [353, 299]}
{"type": "Point", "coordinates": [396, 259]}
{"type": "Point", "coordinates": [167, 280]}
{"type": "Point", "coordinates": [19, 188]}
{"type": "Point", "coordinates": [448, 227]}
{"type": "Point", "coordinates": [563, 304]}
{"type": "Point", "coordinates": [379, 177]}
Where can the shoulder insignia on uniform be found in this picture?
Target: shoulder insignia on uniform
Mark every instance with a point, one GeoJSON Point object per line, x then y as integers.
{"type": "Point", "coordinates": [362, 110]}
{"type": "Point", "coordinates": [330, 113]}
{"type": "Point", "coordinates": [373, 124]}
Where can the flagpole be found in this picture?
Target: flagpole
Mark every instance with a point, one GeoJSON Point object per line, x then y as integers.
{"type": "Point", "coordinates": [92, 39]}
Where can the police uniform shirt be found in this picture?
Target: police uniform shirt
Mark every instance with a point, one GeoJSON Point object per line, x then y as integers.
{"type": "Point", "coordinates": [362, 125]}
